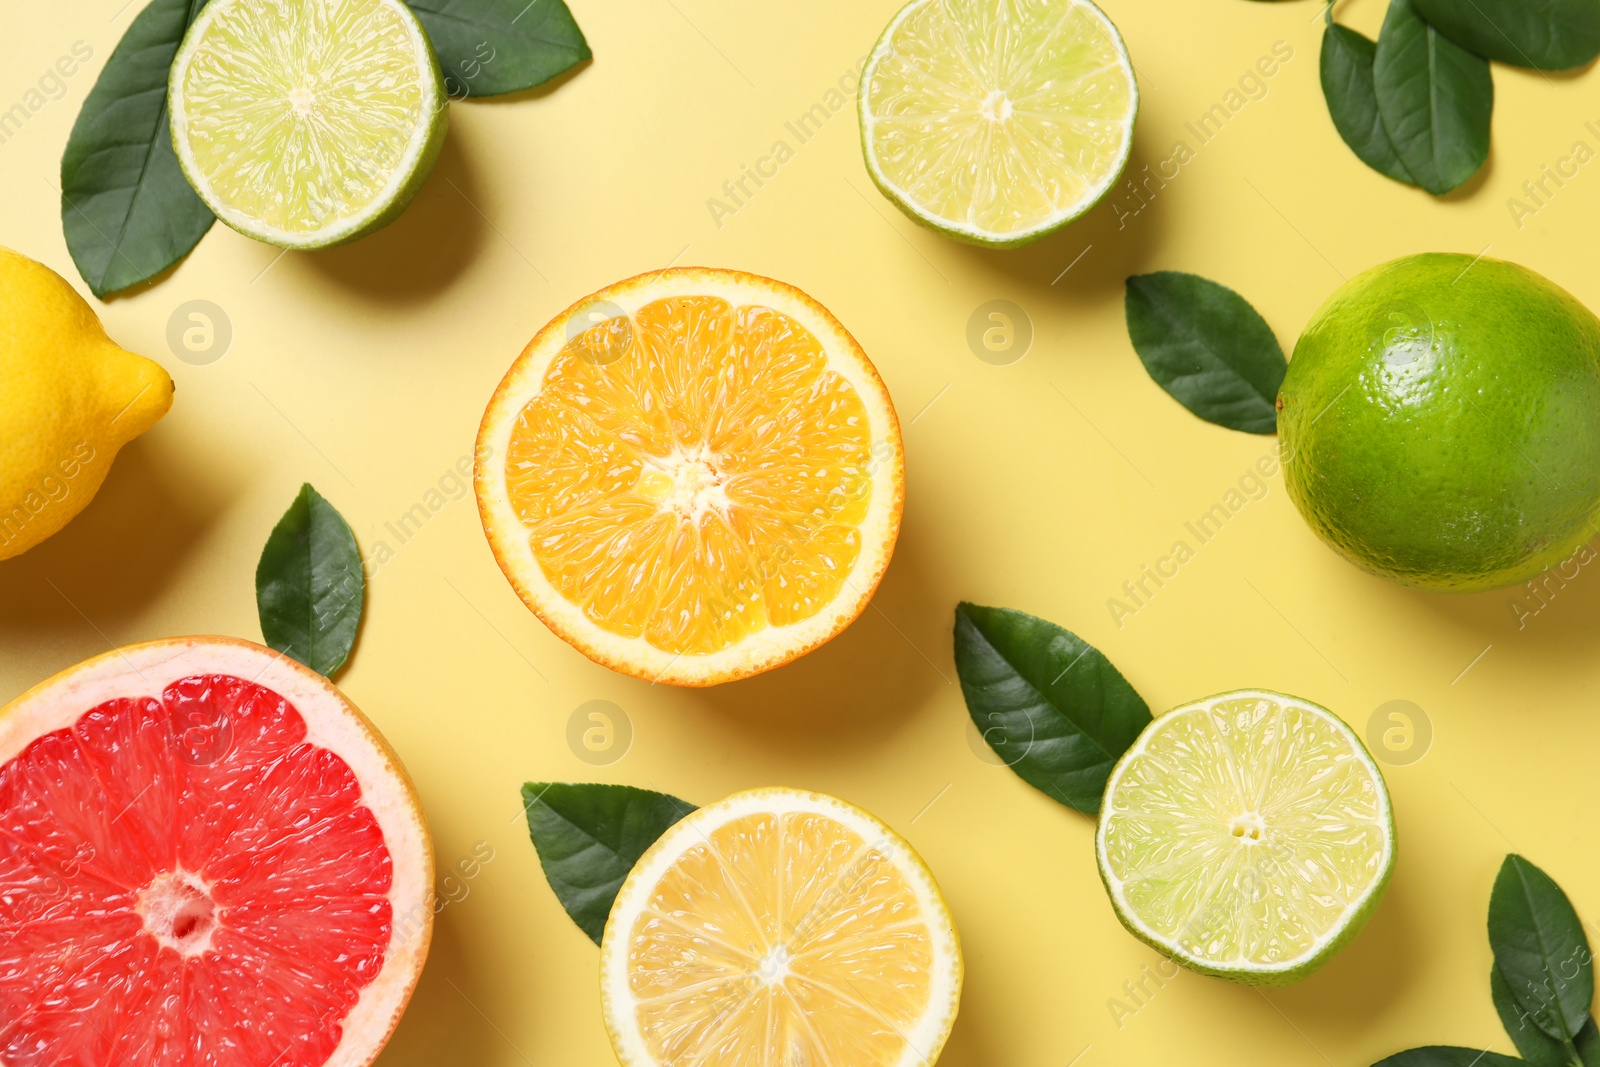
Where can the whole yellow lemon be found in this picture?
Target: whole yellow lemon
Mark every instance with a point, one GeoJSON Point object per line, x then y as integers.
{"type": "Point", "coordinates": [69, 400]}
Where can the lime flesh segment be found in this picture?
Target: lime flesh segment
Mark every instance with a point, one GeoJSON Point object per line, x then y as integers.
{"type": "Point", "coordinates": [998, 121]}
{"type": "Point", "coordinates": [1248, 836]}
{"type": "Point", "coordinates": [306, 123]}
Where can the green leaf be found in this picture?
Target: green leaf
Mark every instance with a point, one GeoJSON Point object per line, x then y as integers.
{"type": "Point", "coordinates": [1353, 102]}
{"type": "Point", "coordinates": [589, 837]}
{"type": "Point", "coordinates": [1436, 99]}
{"type": "Point", "coordinates": [1543, 34]}
{"type": "Point", "coordinates": [1051, 706]}
{"type": "Point", "coordinates": [1447, 1056]}
{"type": "Point", "coordinates": [309, 584]}
{"type": "Point", "coordinates": [1204, 344]}
{"type": "Point", "coordinates": [488, 47]}
{"type": "Point", "coordinates": [126, 209]}
{"type": "Point", "coordinates": [1540, 947]}
{"type": "Point", "coordinates": [1588, 1044]}
{"type": "Point", "coordinates": [1536, 1046]}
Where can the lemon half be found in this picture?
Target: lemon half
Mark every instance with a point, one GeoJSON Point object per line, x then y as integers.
{"type": "Point", "coordinates": [779, 927]}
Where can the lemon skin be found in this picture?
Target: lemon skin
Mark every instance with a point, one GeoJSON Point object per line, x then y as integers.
{"type": "Point", "coordinates": [72, 399]}
{"type": "Point", "coordinates": [1440, 422]}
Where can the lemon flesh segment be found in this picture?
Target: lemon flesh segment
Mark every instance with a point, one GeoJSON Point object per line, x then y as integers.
{"type": "Point", "coordinates": [1247, 835]}
{"type": "Point", "coordinates": [998, 121]}
{"type": "Point", "coordinates": [305, 123]}
{"type": "Point", "coordinates": [779, 927]}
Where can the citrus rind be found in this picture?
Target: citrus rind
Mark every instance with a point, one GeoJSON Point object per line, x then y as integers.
{"type": "Point", "coordinates": [406, 177]}
{"type": "Point", "coordinates": [1334, 937]}
{"type": "Point", "coordinates": [332, 723]}
{"type": "Point", "coordinates": [968, 232]}
{"type": "Point", "coordinates": [923, 1042]}
{"type": "Point", "coordinates": [767, 648]}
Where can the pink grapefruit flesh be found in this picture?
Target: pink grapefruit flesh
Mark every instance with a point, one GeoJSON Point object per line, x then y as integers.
{"type": "Point", "coordinates": [208, 858]}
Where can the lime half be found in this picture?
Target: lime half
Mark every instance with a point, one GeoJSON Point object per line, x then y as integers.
{"type": "Point", "coordinates": [306, 123]}
{"type": "Point", "coordinates": [1247, 836]}
{"type": "Point", "coordinates": [996, 122]}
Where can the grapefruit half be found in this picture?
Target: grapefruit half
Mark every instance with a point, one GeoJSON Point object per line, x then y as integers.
{"type": "Point", "coordinates": [207, 856]}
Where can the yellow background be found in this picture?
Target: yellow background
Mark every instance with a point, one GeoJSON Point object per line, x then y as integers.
{"type": "Point", "coordinates": [1041, 485]}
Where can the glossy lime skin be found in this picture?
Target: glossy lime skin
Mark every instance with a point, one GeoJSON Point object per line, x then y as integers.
{"type": "Point", "coordinates": [1440, 422]}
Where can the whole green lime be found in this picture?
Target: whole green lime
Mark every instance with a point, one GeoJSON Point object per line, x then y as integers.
{"type": "Point", "coordinates": [1440, 422]}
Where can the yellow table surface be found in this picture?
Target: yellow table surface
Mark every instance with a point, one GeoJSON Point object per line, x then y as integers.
{"type": "Point", "coordinates": [1043, 485]}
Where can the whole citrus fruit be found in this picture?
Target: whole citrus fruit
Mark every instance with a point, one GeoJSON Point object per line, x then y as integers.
{"type": "Point", "coordinates": [71, 399]}
{"type": "Point", "coordinates": [1440, 422]}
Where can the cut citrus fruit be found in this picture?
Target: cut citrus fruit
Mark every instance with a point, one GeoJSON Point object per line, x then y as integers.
{"type": "Point", "coordinates": [208, 857]}
{"type": "Point", "coordinates": [1248, 836]}
{"type": "Point", "coordinates": [306, 123]}
{"type": "Point", "coordinates": [996, 122]}
{"type": "Point", "coordinates": [779, 927]}
{"type": "Point", "coordinates": [692, 476]}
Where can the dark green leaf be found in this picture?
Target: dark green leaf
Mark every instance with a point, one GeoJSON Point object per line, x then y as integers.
{"type": "Point", "coordinates": [1051, 706]}
{"type": "Point", "coordinates": [590, 836]}
{"type": "Point", "coordinates": [1543, 34]}
{"type": "Point", "coordinates": [1540, 947]}
{"type": "Point", "coordinates": [1588, 1042]}
{"type": "Point", "coordinates": [1447, 1056]}
{"type": "Point", "coordinates": [1536, 1046]}
{"type": "Point", "coordinates": [488, 47]}
{"type": "Point", "coordinates": [1204, 344]}
{"type": "Point", "coordinates": [1436, 99]}
{"type": "Point", "coordinates": [309, 584]}
{"type": "Point", "coordinates": [1353, 103]}
{"type": "Point", "coordinates": [127, 210]}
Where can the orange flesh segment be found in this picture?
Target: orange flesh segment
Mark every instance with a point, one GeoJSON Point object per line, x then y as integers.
{"type": "Point", "coordinates": [694, 474]}
{"type": "Point", "coordinates": [783, 939]}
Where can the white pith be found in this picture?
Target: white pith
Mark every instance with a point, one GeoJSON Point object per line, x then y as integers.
{"type": "Point", "coordinates": [432, 103]}
{"type": "Point", "coordinates": [689, 484]}
{"type": "Point", "coordinates": [995, 107]}
{"type": "Point", "coordinates": [1249, 830]}
{"type": "Point", "coordinates": [173, 897]}
{"type": "Point", "coordinates": [331, 723]}
{"type": "Point", "coordinates": [617, 1000]}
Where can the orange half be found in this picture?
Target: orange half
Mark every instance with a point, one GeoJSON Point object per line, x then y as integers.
{"type": "Point", "coordinates": [692, 476]}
